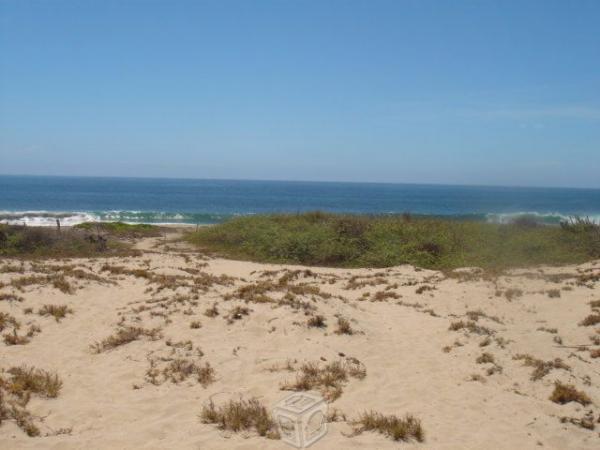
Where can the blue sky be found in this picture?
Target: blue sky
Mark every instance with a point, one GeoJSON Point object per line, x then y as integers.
{"type": "Point", "coordinates": [459, 92]}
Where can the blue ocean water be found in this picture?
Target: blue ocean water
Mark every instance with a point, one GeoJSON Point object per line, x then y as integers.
{"type": "Point", "coordinates": [38, 200]}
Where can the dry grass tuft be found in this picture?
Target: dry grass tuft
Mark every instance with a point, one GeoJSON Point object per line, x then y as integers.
{"type": "Point", "coordinates": [213, 311]}
{"type": "Point", "coordinates": [397, 429]}
{"type": "Point", "coordinates": [424, 288]}
{"type": "Point", "coordinates": [180, 369]}
{"type": "Point", "coordinates": [15, 339]}
{"type": "Point", "coordinates": [343, 326]}
{"type": "Point", "coordinates": [566, 393]}
{"type": "Point", "coordinates": [485, 358]}
{"type": "Point", "coordinates": [241, 415]}
{"type": "Point", "coordinates": [471, 327]}
{"type": "Point", "coordinates": [328, 379]}
{"type": "Point", "coordinates": [587, 421]}
{"type": "Point", "coordinates": [382, 296]}
{"type": "Point", "coordinates": [61, 283]}
{"type": "Point", "coordinates": [316, 321]}
{"type": "Point", "coordinates": [541, 368]}
{"type": "Point", "coordinates": [292, 301]}
{"type": "Point", "coordinates": [512, 293]}
{"type": "Point", "coordinates": [57, 311]}
{"type": "Point", "coordinates": [12, 268]}
{"type": "Point", "coordinates": [258, 292]}
{"type": "Point", "coordinates": [16, 391]}
{"type": "Point", "coordinates": [476, 377]}
{"type": "Point", "coordinates": [6, 320]}
{"type": "Point", "coordinates": [23, 419]}
{"type": "Point", "coordinates": [476, 315]}
{"type": "Point", "coordinates": [125, 336]}
{"type": "Point", "coordinates": [11, 298]}
{"type": "Point", "coordinates": [592, 319]}
{"type": "Point", "coordinates": [29, 380]}
{"type": "Point", "coordinates": [57, 281]}
{"type": "Point", "coordinates": [237, 313]}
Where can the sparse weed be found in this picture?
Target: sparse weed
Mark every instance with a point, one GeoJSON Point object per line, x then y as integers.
{"type": "Point", "coordinates": [592, 319]}
{"type": "Point", "coordinates": [565, 393]}
{"type": "Point", "coordinates": [213, 311]}
{"type": "Point", "coordinates": [124, 336]}
{"type": "Point", "coordinates": [343, 326]}
{"type": "Point", "coordinates": [471, 327]}
{"type": "Point", "coordinates": [241, 415]}
{"type": "Point", "coordinates": [316, 321]}
{"type": "Point", "coordinates": [29, 380]}
{"type": "Point", "coordinates": [541, 368]}
{"type": "Point", "coordinates": [397, 429]}
{"type": "Point", "coordinates": [57, 311]}
{"type": "Point", "coordinates": [328, 378]}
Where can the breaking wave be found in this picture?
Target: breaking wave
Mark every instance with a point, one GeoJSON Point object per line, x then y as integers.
{"type": "Point", "coordinates": [49, 218]}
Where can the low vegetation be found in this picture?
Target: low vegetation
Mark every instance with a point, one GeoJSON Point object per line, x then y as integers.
{"type": "Point", "coordinates": [324, 239]}
{"type": "Point", "coordinates": [241, 415]}
{"type": "Point", "coordinates": [17, 385]}
{"type": "Point", "coordinates": [565, 393]}
{"type": "Point", "coordinates": [316, 321]}
{"type": "Point", "coordinates": [329, 378]}
{"type": "Point", "coordinates": [26, 380]}
{"type": "Point", "coordinates": [32, 242]}
{"type": "Point", "coordinates": [540, 368]}
{"type": "Point", "coordinates": [213, 311]}
{"type": "Point", "coordinates": [397, 429]}
{"type": "Point", "coordinates": [121, 229]}
{"type": "Point", "coordinates": [237, 313]}
{"type": "Point", "coordinates": [124, 336]}
{"type": "Point", "coordinates": [59, 312]}
{"type": "Point", "coordinates": [179, 370]}
{"type": "Point", "coordinates": [470, 327]}
{"type": "Point", "coordinates": [343, 326]}
{"type": "Point", "coordinates": [592, 319]}
{"type": "Point", "coordinates": [15, 338]}
{"type": "Point", "coordinates": [6, 321]}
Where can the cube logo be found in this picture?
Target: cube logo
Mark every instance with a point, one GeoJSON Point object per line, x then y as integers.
{"type": "Point", "coordinates": [301, 418]}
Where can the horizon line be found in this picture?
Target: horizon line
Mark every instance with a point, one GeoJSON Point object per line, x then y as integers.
{"type": "Point", "coordinates": [299, 181]}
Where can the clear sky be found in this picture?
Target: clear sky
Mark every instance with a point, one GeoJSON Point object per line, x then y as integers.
{"type": "Point", "coordinates": [461, 92]}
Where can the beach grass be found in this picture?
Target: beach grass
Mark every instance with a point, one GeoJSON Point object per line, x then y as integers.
{"type": "Point", "coordinates": [334, 240]}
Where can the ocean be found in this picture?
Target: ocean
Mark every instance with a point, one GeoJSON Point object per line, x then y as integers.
{"type": "Point", "coordinates": [40, 200]}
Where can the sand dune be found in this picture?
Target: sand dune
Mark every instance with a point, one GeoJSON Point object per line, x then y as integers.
{"type": "Point", "coordinates": [419, 334]}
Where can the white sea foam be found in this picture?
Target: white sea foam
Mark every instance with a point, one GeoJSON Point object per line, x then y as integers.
{"type": "Point", "coordinates": [70, 218]}
{"type": "Point", "coordinates": [45, 218]}
{"type": "Point", "coordinates": [549, 217]}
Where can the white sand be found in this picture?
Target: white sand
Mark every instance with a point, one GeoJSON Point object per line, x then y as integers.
{"type": "Point", "coordinates": [400, 346]}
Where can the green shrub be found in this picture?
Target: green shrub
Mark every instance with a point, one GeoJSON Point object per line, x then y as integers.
{"type": "Point", "coordinates": [324, 239]}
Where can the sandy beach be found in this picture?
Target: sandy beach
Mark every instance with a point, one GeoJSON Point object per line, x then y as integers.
{"type": "Point", "coordinates": [474, 356]}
